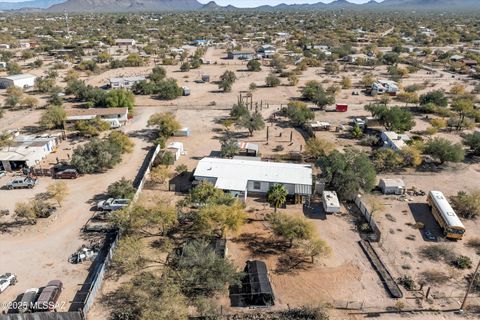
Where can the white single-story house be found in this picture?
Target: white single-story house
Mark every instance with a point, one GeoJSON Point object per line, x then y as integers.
{"type": "Point", "coordinates": [392, 186]}
{"type": "Point", "coordinates": [394, 141]}
{"type": "Point", "coordinates": [176, 148]}
{"type": "Point", "coordinates": [267, 50]}
{"type": "Point", "coordinates": [27, 151]}
{"type": "Point", "coordinates": [384, 86]}
{"type": "Point", "coordinates": [24, 80]}
{"type": "Point", "coordinates": [115, 116]}
{"type": "Point", "coordinates": [241, 177]}
{"type": "Point", "coordinates": [241, 55]}
{"type": "Point", "coordinates": [125, 42]}
{"type": "Point", "coordinates": [4, 46]}
{"type": "Point", "coordinates": [456, 58]}
{"type": "Point", "coordinates": [330, 201]}
{"type": "Point", "coordinates": [125, 82]}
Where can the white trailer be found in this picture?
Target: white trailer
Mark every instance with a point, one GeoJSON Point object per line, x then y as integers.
{"type": "Point", "coordinates": [330, 201]}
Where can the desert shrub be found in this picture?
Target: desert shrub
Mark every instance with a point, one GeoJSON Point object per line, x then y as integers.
{"type": "Point", "coordinates": [433, 277]}
{"type": "Point", "coordinates": [462, 262]}
{"type": "Point", "coordinates": [439, 252]}
{"type": "Point", "coordinates": [407, 282]}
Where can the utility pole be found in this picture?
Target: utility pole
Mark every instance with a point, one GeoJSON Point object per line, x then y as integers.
{"type": "Point", "coordinates": [470, 285]}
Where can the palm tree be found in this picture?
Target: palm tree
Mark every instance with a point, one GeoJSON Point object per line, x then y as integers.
{"type": "Point", "coordinates": [277, 196]}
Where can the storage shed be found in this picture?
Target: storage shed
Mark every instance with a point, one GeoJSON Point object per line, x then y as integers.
{"type": "Point", "coordinates": [392, 186]}
{"type": "Point", "coordinates": [176, 148]}
{"type": "Point", "coordinates": [24, 80]}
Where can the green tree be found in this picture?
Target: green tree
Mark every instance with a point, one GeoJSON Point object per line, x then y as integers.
{"type": "Point", "coordinates": [24, 211]}
{"type": "Point", "coordinates": [158, 74]}
{"type": "Point", "coordinates": [168, 89]}
{"type": "Point", "coordinates": [444, 150]}
{"type": "Point", "coordinates": [254, 65]}
{"type": "Point", "coordinates": [467, 205]}
{"type": "Point", "coordinates": [218, 219]}
{"type": "Point", "coordinates": [165, 122]}
{"type": "Point", "coordinates": [54, 117]}
{"type": "Point", "coordinates": [436, 97]}
{"type": "Point", "coordinates": [13, 68]}
{"type": "Point", "coordinates": [313, 91]}
{"type": "Point", "coordinates": [277, 196]}
{"type": "Point", "coordinates": [299, 113]}
{"type": "Point", "coordinates": [394, 118]}
{"type": "Point", "coordinates": [272, 80]}
{"type": "Point", "coordinates": [96, 156]}
{"type": "Point", "coordinates": [229, 147]}
{"type": "Point", "coordinates": [91, 128]}
{"type": "Point", "coordinates": [316, 247]}
{"type": "Point", "coordinates": [348, 172]}
{"type": "Point", "coordinates": [185, 67]}
{"type": "Point", "coordinates": [472, 140]}
{"type": "Point", "coordinates": [58, 191]}
{"type": "Point", "coordinates": [121, 189]}
{"type": "Point", "coordinates": [316, 148]}
{"type": "Point", "coordinates": [291, 228]}
{"type": "Point", "coordinates": [227, 79]}
{"type": "Point", "coordinates": [119, 98]}
{"type": "Point", "coordinates": [120, 139]}
{"type": "Point", "coordinates": [239, 110]}
{"type": "Point", "coordinates": [205, 193]}
{"type": "Point", "coordinates": [14, 97]}
{"type": "Point", "coordinates": [252, 123]}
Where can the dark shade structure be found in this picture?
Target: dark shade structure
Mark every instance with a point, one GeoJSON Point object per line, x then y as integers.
{"type": "Point", "coordinates": [256, 287]}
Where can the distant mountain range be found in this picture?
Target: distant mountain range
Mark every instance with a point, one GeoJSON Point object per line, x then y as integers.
{"type": "Point", "coordinates": [189, 5]}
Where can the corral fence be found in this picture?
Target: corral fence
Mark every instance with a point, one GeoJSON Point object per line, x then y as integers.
{"type": "Point", "coordinates": [85, 297]}
{"type": "Point", "coordinates": [376, 234]}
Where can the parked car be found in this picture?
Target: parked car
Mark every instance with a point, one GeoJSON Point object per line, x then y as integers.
{"type": "Point", "coordinates": [67, 174]}
{"type": "Point", "coordinates": [27, 303]}
{"type": "Point", "coordinates": [49, 296]}
{"type": "Point", "coordinates": [113, 204]}
{"type": "Point", "coordinates": [22, 182]}
{"type": "Point", "coordinates": [3, 173]}
{"type": "Point", "coordinates": [7, 280]}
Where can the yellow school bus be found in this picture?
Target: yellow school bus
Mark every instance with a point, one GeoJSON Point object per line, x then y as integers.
{"type": "Point", "coordinates": [443, 213]}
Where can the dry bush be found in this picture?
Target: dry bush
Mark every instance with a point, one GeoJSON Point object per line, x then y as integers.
{"type": "Point", "coordinates": [474, 243]}
{"type": "Point", "coordinates": [433, 277]}
{"type": "Point", "coordinates": [439, 252]}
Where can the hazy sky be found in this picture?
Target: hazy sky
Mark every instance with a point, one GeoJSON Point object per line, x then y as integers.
{"type": "Point", "coordinates": [256, 3]}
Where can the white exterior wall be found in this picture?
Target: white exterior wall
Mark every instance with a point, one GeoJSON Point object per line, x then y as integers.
{"type": "Point", "coordinates": [265, 186]}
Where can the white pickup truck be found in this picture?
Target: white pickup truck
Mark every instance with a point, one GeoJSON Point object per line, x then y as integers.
{"type": "Point", "coordinates": [7, 280]}
{"type": "Point", "coordinates": [112, 204]}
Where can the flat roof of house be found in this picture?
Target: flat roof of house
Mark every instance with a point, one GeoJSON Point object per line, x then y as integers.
{"type": "Point", "coordinates": [233, 174]}
{"type": "Point", "coordinates": [19, 76]}
{"type": "Point", "coordinates": [120, 79]}
{"type": "Point", "coordinates": [72, 113]}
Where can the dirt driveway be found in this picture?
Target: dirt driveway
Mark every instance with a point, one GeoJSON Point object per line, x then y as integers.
{"type": "Point", "coordinates": [37, 254]}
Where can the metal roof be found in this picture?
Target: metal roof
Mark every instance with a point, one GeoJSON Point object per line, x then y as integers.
{"type": "Point", "coordinates": [233, 174]}
{"type": "Point", "coordinates": [19, 76]}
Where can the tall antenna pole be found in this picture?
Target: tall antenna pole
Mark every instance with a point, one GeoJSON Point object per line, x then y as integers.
{"type": "Point", "coordinates": [66, 23]}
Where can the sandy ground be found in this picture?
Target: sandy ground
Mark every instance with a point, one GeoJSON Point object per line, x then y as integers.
{"type": "Point", "coordinates": [38, 253]}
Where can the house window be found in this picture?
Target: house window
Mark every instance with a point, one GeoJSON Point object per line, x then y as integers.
{"type": "Point", "coordinates": [256, 185]}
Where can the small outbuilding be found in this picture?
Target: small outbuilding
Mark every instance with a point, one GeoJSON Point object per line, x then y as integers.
{"type": "Point", "coordinates": [176, 148]}
{"type": "Point", "coordinates": [330, 201]}
{"type": "Point", "coordinates": [256, 284]}
{"type": "Point", "coordinates": [392, 186]}
{"type": "Point", "coordinates": [24, 81]}
{"type": "Point", "coordinates": [183, 132]}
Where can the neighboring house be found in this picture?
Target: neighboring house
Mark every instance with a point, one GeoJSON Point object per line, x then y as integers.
{"type": "Point", "coordinates": [201, 42]}
{"type": "Point", "coordinates": [241, 177]}
{"type": "Point", "coordinates": [392, 186]}
{"type": "Point", "coordinates": [27, 151]}
{"type": "Point", "coordinates": [25, 80]}
{"type": "Point", "coordinates": [125, 83]}
{"type": "Point", "coordinates": [3, 64]}
{"type": "Point", "coordinates": [115, 116]}
{"type": "Point", "coordinates": [456, 58]}
{"type": "Point", "coordinates": [267, 50]}
{"type": "Point", "coordinates": [4, 46]}
{"type": "Point", "coordinates": [25, 45]}
{"type": "Point", "coordinates": [241, 55]}
{"type": "Point", "coordinates": [394, 141]}
{"type": "Point", "coordinates": [330, 202]}
{"type": "Point", "coordinates": [125, 42]}
{"type": "Point", "coordinates": [384, 86]}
